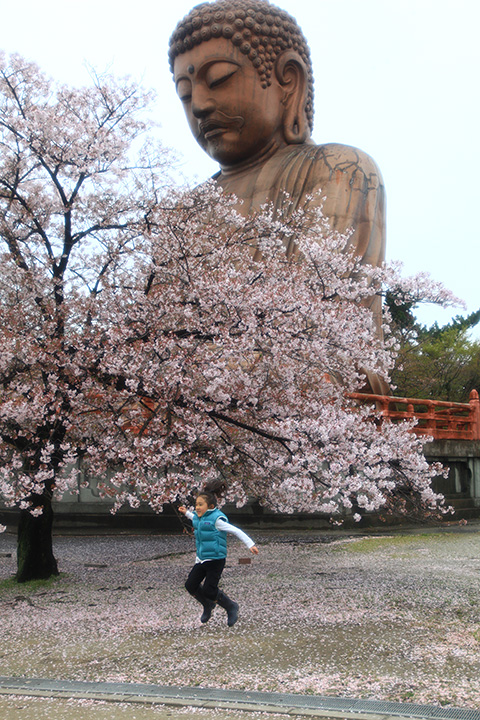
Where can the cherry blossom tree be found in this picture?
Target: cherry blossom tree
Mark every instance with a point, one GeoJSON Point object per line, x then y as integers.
{"type": "Point", "coordinates": [226, 366]}
{"type": "Point", "coordinates": [71, 198]}
{"type": "Point", "coordinates": [140, 337]}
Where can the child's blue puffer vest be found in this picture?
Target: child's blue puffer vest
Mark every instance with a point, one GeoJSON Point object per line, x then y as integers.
{"type": "Point", "coordinates": [211, 543]}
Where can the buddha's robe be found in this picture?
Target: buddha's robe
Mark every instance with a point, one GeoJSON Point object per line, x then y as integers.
{"type": "Point", "coordinates": [353, 192]}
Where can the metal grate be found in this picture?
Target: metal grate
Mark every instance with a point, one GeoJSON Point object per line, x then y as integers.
{"type": "Point", "coordinates": [281, 702]}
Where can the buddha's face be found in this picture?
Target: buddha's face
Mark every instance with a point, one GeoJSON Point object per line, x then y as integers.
{"type": "Point", "coordinates": [232, 117]}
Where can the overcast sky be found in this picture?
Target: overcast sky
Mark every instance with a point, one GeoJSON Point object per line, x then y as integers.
{"type": "Point", "coordinates": [397, 78]}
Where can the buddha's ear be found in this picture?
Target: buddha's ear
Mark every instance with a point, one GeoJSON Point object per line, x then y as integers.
{"type": "Point", "coordinates": [291, 73]}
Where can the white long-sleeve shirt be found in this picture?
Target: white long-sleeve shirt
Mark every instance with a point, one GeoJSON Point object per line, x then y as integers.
{"type": "Point", "coordinates": [224, 526]}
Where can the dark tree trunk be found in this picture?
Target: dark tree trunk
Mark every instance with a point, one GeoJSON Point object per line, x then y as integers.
{"type": "Point", "coordinates": [35, 559]}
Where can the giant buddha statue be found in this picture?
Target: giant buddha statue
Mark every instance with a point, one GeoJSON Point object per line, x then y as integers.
{"type": "Point", "coordinates": [243, 73]}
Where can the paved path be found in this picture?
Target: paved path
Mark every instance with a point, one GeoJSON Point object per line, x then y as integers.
{"type": "Point", "coordinates": [209, 698]}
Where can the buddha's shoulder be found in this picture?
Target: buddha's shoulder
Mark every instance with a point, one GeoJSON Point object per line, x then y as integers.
{"type": "Point", "coordinates": [344, 158]}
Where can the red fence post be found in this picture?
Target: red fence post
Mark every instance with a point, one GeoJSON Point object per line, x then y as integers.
{"type": "Point", "coordinates": [475, 411]}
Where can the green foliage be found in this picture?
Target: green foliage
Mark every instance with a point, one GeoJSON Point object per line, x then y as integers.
{"type": "Point", "coordinates": [438, 362]}
{"type": "Point", "coordinates": [403, 318]}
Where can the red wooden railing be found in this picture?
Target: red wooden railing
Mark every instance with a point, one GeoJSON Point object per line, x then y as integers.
{"type": "Point", "coordinates": [440, 419]}
{"type": "Point", "coordinates": [437, 418]}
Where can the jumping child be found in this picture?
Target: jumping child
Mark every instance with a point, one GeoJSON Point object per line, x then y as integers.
{"type": "Point", "coordinates": [211, 527]}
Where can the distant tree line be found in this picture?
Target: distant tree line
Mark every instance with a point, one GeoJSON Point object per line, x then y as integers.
{"type": "Point", "coordinates": [441, 362]}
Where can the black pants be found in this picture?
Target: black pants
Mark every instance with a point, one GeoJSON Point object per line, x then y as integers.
{"type": "Point", "coordinates": [208, 572]}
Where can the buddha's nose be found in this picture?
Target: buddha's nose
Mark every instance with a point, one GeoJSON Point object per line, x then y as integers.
{"type": "Point", "coordinates": [202, 103]}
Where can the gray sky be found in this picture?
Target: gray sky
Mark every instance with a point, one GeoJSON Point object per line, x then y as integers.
{"type": "Point", "coordinates": [397, 78]}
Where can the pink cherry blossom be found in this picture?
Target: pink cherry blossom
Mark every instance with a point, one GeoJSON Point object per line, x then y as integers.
{"type": "Point", "coordinates": [141, 342]}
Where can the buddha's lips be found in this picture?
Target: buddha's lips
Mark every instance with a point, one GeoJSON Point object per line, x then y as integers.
{"type": "Point", "coordinates": [214, 126]}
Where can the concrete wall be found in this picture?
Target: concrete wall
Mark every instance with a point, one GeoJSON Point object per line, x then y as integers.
{"type": "Point", "coordinates": [463, 459]}
{"type": "Point", "coordinates": [87, 508]}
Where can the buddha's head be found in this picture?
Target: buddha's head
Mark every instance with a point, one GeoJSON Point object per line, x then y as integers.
{"type": "Point", "coordinates": [243, 73]}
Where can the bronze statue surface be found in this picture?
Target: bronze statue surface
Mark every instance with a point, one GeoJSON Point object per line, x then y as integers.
{"type": "Point", "coordinates": [243, 73]}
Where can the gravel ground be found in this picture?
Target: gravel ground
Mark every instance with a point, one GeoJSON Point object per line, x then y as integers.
{"type": "Point", "coordinates": [28, 708]}
{"type": "Point", "coordinates": [386, 617]}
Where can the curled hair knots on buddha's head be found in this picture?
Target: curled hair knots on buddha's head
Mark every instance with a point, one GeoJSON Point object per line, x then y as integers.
{"type": "Point", "coordinates": [213, 491]}
{"type": "Point", "coordinates": [259, 29]}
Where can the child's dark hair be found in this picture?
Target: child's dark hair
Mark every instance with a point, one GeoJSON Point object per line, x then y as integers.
{"type": "Point", "coordinates": [212, 491]}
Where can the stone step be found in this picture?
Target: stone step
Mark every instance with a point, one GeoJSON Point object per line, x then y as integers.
{"type": "Point", "coordinates": [460, 502]}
